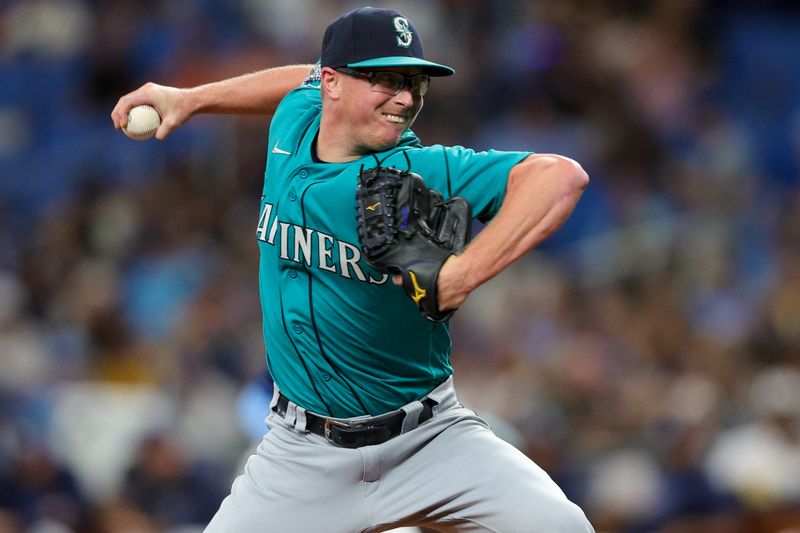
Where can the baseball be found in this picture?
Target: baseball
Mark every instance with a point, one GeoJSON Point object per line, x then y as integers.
{"type": "Point", "coordinates": [143, 121]}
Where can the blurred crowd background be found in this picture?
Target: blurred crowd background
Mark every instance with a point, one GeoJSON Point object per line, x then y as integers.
{"type": "Point", "coordinates": [647, 356]}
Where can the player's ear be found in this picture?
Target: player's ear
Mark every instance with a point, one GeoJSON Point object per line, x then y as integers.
{"type": "Point", "coordinates": [331, 83]}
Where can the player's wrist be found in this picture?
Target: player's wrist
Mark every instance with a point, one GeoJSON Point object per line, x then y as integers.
{"type": "Point", "coordinates": [194, 100]}
{"type": "Point", "coordinates": [461, 273]}
{"type": "Point", "coordinates": [453, 285]}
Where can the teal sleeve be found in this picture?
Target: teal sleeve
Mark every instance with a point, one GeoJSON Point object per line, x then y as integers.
{"type": "Point", "coordinates": [296, 110]}
{"type": "Point", "coordinates": [480, 177]}
{"type": "Point", "coordinates": [298, 100]}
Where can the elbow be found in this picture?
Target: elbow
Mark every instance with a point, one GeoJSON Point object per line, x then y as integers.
{"type": "Point", "coordinates": [568, 173]}
{"type": "Point", "coordinates": [582, 178]}
{"type": "Point", "coordinates": [574, 176]}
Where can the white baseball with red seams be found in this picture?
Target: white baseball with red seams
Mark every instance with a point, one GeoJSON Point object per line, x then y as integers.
{"type": "Point", "coordinates": [143, 121]}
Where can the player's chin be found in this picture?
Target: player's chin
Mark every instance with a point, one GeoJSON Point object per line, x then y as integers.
{"type": "Point", "coordinates": [386, 142]}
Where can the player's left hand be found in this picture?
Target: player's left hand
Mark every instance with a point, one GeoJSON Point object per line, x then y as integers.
{"type": "Point", "coordinates": [408, 229]}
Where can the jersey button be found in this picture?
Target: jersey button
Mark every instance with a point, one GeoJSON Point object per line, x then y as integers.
{"type": "Point", "coordinates": [326, 376]}
{"type": "Point", "coordinates": [293, 274]}
{"type": "Point", "coordinates": [298, 330]}
{"type": "Point", "coordinates": [292, 196]}
{"type": "Point", "coordinates": [304, 173]}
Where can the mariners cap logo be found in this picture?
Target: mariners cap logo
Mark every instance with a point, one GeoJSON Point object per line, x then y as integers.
{"type": "Point", "coordinates": [404, 35]}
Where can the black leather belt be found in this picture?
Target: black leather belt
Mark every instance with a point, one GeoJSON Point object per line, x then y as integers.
{"type": "Point", "coordinates": [376, 431]}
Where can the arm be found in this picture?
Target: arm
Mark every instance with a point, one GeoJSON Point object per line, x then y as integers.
{"type": "Point", "coordinates": [256, 93]}
{"type": "Point", "coordinates": [541, 193]}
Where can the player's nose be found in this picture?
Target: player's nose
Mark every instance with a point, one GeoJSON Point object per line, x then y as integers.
{"type": "Point", "coordinates": [405, 97]}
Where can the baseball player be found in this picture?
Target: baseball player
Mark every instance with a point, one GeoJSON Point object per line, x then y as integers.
{"type": "Point", "coordinates": [366, 431]}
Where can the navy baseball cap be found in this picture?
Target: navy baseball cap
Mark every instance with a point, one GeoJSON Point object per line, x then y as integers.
{"type": "Point", "coordinates": [371, 37]}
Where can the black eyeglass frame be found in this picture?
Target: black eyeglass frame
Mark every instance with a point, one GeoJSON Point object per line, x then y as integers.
{"type": "Point", "coordinates": [408, 80]}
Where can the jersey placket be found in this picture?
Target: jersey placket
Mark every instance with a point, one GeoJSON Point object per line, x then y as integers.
{"type": "Point", "coordinates": [294, 261]}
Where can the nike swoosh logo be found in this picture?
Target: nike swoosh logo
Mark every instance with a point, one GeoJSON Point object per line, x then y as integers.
{"type": "Point", "coordinates": [373, 206]}
{"type": "Point", "coordinates": [276, 150]}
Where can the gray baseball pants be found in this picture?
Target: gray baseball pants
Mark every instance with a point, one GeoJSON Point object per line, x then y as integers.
{"type": "Point", "coordinates": [451, 473]}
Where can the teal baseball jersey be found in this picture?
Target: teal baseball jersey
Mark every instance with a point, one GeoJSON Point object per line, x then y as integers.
{"type": "Point", "coordinates": [341, 339]}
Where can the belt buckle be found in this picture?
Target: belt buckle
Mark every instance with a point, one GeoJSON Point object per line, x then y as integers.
{"type": "Point", "coordinates": [328, 424]}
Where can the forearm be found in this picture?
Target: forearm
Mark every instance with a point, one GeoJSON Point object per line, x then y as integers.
{"type": "Point", "coordinates": [541, 193]}
{"type": "Point", "coordinates": [258, 93]}
{"type": "Point", "coordinates": [250, 94]}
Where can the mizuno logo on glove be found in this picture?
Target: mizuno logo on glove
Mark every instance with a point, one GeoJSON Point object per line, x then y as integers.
{"type": "Point", "coordinates": [419, 292]}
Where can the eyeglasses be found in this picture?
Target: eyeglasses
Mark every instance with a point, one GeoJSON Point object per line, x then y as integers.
{"type": "Point", "coordinates": [391, 82]}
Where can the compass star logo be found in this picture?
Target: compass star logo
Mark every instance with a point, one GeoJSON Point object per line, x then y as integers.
{"type": "Point", "coordinates": [404, 34]}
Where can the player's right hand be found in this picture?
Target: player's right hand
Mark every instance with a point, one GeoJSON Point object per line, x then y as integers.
{"type": "Point", "coordinates": [172, 104]}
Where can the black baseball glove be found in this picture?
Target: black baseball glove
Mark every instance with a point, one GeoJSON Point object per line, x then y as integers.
{"type": "Point", "coordinates": [408, 229]}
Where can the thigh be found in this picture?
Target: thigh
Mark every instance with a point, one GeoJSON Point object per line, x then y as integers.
{"type": "Point", "coordinates": [294, 483]}
{"type": "Point", "coordinates": [468, 479]}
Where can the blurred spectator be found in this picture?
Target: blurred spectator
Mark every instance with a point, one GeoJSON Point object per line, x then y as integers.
{"type": "Point", "coordinates": [95, 428]}
{"type": "Point", "coordinates": [54, 30]}
{"type": "Point", "coordinates": [35, 488]}
{"type": "Point", "coordinates": [170, 488]}
{"type": "Point", "coordinates": [759, 460]}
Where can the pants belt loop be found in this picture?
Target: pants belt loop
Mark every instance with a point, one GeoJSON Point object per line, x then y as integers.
{"type": "Point", "coordinates": [444, 395]}
{"type": "Point", "coordinates": [411, 419]}
{"type": "Point", "coordinates": [291, 413]}
{"type": "Point", "coordinates": [300, 421]}
{"type": "Point", "coordinates": [275, 394]}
